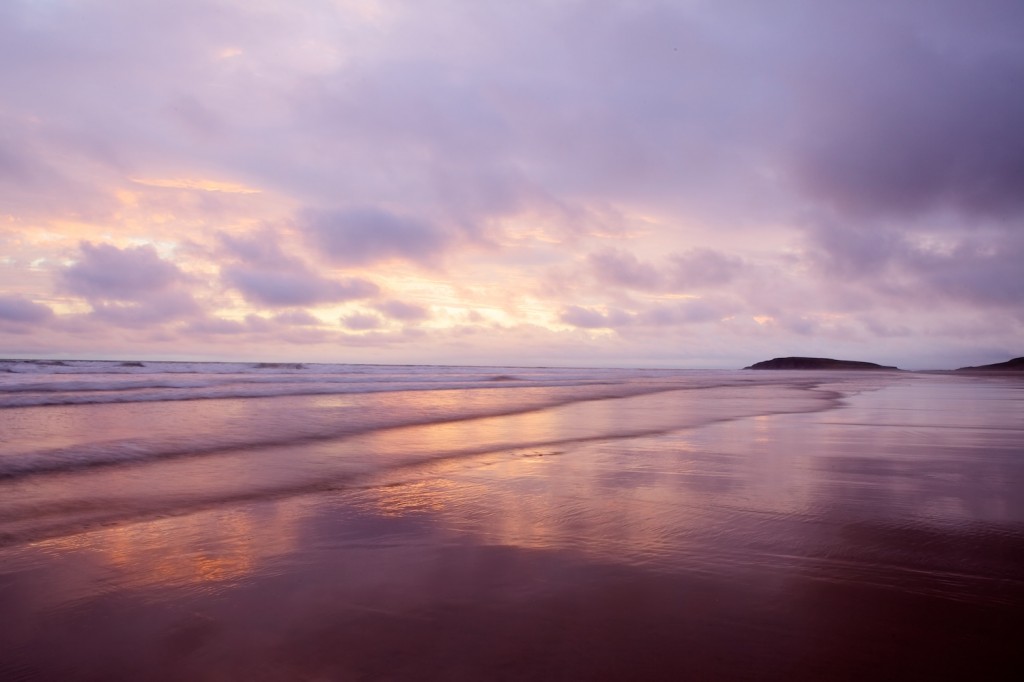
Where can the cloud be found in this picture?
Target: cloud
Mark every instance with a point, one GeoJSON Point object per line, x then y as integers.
{"type": "Point", "coordinates": [693, 269]}
{"type": "Point", "coordinates": [154, 309]}
{"type": "Point", "coordinates": [105, 272]}
{"type": "Point", "coordinates": [977, 272]}
{"type": "Point", "coordinates": [259, 248]}
{"type": "Point", "coordinates": [299, 318]}
{"type": "Point", "coordinates": [19, 309]}
{"type": "Point", "coordinates": [692, 311]}
{"type": "Point", "coordinates": [362, 321]}
{"type": "Point", "coordinates": [266, 275]}
{"type": "Point", "coordinates": [368, 235]}
{"type": "Point", "coordinates": [656, 314]}
{"type": "Point", "coordinates": [929, 117]}
{"type": "Point", "coordinates": [981, 268]}
{"type": "Point", "coordinates": [615, 267]}
{"type": "Point", "coordinates": [258, 326]}
{"type": "Point", "coordinates": [295, 287]}
{"type": "Point", "coordinates": [700, 268]}
{"type": "Point", "coordinates": [217, 326]}
{"type": "Point", "coordinates": [405, 312]}
{"type": "Point", "coordinates": [36, 165]}
{"type": "Point", "coordinates": [846, 161]}
{"type": "Point", "coordinates": [128, 287]}
{"type": "Point", "coordinates": [591, 318]}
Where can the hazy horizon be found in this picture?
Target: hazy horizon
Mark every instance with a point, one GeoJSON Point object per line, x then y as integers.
{"type": "Point", "coordinates": [540, 364]}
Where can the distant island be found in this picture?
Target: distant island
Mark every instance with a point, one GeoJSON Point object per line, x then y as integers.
{"type": "Point", "coordinates": [1015, 365]}
{"type": "Point", "coordinates": [815, 363]}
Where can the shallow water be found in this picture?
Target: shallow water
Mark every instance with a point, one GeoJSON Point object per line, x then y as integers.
{"type": "Point", "coordinates": [731, 525]}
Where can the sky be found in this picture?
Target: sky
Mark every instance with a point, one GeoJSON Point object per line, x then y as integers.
{"type": "Point", "coordinates": [695, 183]}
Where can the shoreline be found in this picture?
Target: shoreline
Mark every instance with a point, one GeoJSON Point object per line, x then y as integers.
{"type": "Point", "coordinates": [878, 538]}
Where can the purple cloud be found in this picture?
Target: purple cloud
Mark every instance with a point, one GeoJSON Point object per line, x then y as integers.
{"type": "Point", "coordinates": [15, 167]}
{"type": "Point", "coordinates": [260, 248]}
{"type": "Point", "coordinates": [217, 326]}
{"type": "Point", "coordinates": [295, 287]}
{"type": "Point", "coordinates": [105, 272]}
{"type": "Point", "coordinates": [406, 312]}
{"type": "Point", "coordinates": [297, 318]}
{"type": "Point", "coordinates": [154, 309]}
{"type": "Point", "coordinates": [623, 269]}
{"type": "Point", "coordinates": [362, 321]}
{"type": "Point", "coordinates": [700, 268]}
{"type": "Point", "coordinates": [675, 314]}
{"type": "Point", "coordinates": [977, 269]}
{"type": "Point", "coordinates": [20, 309]}
{"type": "Point", "coordinates": [694, 269]}
{"type": "Point", "coordinates": [692, 311]}
{"type": "Point", "coordinates": [367, 235]}
{"type": "Point", "coordinates": [590, 318]}
{"type": "Point", "coordinates": [279, 325]}
{"type": "Point", "coordinates": [266, 275]}
{"type": "Point", "coordinates": [129, 287]}
{"type": "Point", "coordinates": [927, 118]}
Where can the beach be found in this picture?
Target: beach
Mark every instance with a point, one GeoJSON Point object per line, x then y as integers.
{"type": "Point", "coordinates": [176, 521]}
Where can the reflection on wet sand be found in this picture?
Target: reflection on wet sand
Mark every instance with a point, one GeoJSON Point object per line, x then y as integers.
{"type": "Point", "coordinates": [850, 544]}
{"type": "Point", "coordinates": [35, 507]}
{"type": "Point", "coordinates": [187, 551]}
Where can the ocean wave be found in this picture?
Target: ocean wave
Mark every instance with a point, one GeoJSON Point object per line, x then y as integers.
{"type": "Point", "coordinates": [283, 433]}
{"type": "Point", "coordinates": [495, 391]}
{"type": "Point", "coordinates": [170, 391]}
{"type": "Point", "coordinates": [73, 382]}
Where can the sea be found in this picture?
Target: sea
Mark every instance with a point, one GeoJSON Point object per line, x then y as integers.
{"type": "Point", "coordinates": [300, 521]}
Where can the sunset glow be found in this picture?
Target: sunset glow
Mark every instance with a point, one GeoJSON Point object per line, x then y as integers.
{"type": "Point", "coordinates": [659, 184]}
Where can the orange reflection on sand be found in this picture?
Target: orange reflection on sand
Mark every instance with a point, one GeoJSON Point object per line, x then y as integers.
{"type": "Point", "coordinates": [546, 498]}
{"type": "Point", "coordinates": [432, 495]}
{"type": "Point", "coordinates": [554, 494]}
{"type": "Point", "coordinates": [200, 548]}
{"type": "Point", "coordinates": [483, 434]}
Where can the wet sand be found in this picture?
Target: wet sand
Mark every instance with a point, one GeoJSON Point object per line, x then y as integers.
{"type": "Point", "coordinates": [880, 537]}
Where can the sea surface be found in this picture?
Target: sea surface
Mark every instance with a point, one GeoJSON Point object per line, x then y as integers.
{"type": "Point", "coordinates": [277, 521]}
